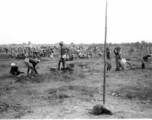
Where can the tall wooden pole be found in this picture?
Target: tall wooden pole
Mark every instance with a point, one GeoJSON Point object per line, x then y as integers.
{"type": "Point", "coordinates": [104, 81]}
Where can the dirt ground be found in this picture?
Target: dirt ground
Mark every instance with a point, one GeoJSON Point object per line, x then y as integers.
{"type": "Point", "coordinates": [72, 94]}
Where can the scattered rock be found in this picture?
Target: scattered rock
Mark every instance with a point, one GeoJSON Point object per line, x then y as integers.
{"type": "Point", "coordinates": [114, 94]}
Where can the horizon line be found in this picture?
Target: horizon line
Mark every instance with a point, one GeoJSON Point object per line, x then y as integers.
{"type": "Point", "coordinates": [76, 43]}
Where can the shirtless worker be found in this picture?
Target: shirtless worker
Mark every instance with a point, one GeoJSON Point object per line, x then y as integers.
{"type": "Point", "coordinates": [31, 64]}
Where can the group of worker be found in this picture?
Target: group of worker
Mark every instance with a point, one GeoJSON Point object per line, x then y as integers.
{"type": "Point", "coordinates": [31, 62]}
{"type": "Point", "coordinates": [31, 66]}
{"type": "Point", "coordinates": [121, 62]}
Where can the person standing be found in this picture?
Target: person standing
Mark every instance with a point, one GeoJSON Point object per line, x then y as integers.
{"type": "Point", "coordinates": [108, 61]}
{"type": "Point", "coordinates": [108, 53]}
{"type": "Point", "coordinates": [51, 53]}
{"type": "Point", "coordinates": [118, 56]}
{"type": "Point", "coordinates": [62, 54]}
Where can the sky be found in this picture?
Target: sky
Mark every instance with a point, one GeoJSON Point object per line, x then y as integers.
{"type": "Point", "coordinates": [77, 21]}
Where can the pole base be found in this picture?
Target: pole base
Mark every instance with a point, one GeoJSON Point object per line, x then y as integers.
{"type": "Point", "coordinates": [100, 109]}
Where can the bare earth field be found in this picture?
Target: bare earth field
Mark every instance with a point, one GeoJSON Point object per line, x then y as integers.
{"type": "Point", "coordinates": [71, 94]}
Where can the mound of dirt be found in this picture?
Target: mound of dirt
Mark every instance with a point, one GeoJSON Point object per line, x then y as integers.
{"type": "Point", "coordinates": [52, 76]}
{"type": "Point", "coordinates": [23, 79]}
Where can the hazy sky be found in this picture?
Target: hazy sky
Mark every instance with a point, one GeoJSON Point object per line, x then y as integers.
{"type": "Point", "coordinates": [78, 21]}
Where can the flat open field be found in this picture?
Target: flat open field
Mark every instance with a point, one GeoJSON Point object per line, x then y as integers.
{"type": "Point", "coordinates": [71, 94]}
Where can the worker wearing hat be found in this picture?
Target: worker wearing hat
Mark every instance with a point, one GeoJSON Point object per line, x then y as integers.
{"type": "Point", "coordinates": [62, 54]}
{"type": "Point", "coordinates": [14, 70]}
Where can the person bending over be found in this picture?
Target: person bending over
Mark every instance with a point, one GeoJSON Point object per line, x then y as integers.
{"type": "Point", "coordinates": [31, 64]}
{"type": "Point", "coordinates": [145, 60]}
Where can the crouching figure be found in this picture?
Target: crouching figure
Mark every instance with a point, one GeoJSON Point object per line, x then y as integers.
{"type": "Point", "coordinates": [14, 70]}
